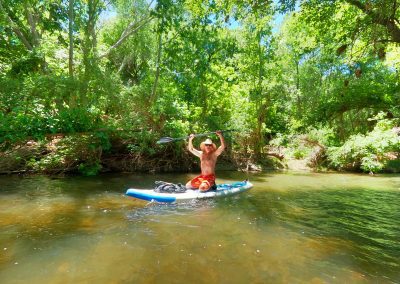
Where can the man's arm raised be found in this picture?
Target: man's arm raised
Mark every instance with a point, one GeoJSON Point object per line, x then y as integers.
{"type": "Point", "coordinates": [221, 148]}
{"type": "Point", "coordinates": [191, 148]}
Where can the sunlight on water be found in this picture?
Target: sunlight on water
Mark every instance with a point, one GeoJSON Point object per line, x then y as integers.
{"type": "Point", "coordinates": [290, 228]}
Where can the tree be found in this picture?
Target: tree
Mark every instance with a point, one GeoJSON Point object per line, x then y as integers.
{"type": "Point", "coordinates": [377, 21]}
{"type": "Point", "coordinates": [141, 18]}
{"type": "Point", "coordinates": [344, 89]}
{"type": "Point", "coordinates": [71, 37]}
{"type": "Point", "coordinates": [27, 22]}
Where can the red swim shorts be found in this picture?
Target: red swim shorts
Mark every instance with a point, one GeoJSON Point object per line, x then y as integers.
{"type": "Point", "coordinates": [208, 179]}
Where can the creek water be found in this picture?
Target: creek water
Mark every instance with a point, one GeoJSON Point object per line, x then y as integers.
{"type": "Point", "coordinates": [289, 228]}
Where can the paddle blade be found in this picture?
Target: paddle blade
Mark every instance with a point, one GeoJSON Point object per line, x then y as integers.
{"type": "Point", "coordinates": [165, 140]}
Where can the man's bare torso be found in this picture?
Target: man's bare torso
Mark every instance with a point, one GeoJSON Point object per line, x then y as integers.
{"type": "Point", "coordinates": [208, 161]}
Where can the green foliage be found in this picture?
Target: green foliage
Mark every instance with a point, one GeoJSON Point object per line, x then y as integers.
{"type": "Point", "coordinates": [76, 153]}
{"type": "Point", "coordinates": [299, 153]}
{"type": "Point", "coordinates": [393, 166]}
{"type": "Point", "coordinates": [30, 63]}
{"type": "Point", "coordinates": [144, 144]}
{"type": "Point", "coordinates": [370, 152]}
{"type": "Point", "coordinates": [89, 169]}
{"type": "Point", "coordinates": [340, 90]}
{"type": "Point", "coordinates": [295, 146]}
{"type": "Point", "coordinates": [40, 105]}
{"type": "Point", "coordinates": [324, 136]}
{"type": "Point", "coordinates": [185, 66]}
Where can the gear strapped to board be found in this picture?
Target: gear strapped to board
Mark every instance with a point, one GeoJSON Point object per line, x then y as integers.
{"type": "Point", "coordinates": [162, 186]}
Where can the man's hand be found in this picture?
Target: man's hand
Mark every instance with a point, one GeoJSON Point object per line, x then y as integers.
{"type": "Point", "coordinates": [219, 133]}
{"type": "Point", "coordinates": [191, 136]}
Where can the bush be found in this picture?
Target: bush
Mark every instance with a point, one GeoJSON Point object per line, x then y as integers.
{"type": "Point", "coordinates": [77, 153]}
{"type": "Point", "coordinates": [369, 152]}
{"type": "Point", "coordinates": [299, 153]}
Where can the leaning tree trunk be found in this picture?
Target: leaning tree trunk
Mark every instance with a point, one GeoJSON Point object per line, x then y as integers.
{"type": "Point", "coordinates": [23, 37]}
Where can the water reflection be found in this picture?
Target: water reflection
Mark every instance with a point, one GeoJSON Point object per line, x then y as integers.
{"type": "Point", "coordinates": [362, 224]}
{"type": "Point", "coordinates": [290, 228]}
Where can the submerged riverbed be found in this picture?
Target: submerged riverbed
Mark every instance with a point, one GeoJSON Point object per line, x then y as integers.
{"type": "Point", "coordinates": [290, 228]}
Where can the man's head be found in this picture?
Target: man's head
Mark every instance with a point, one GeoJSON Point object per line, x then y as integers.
{"type": "Point", "coordinates": [208, 146]}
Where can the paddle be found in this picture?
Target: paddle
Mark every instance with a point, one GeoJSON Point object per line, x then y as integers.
{"type": "Point", "coordinates": [169, 139]}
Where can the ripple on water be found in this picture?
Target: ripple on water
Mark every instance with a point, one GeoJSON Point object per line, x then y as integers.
{"type": "Point", "coordinates": [287, 229]}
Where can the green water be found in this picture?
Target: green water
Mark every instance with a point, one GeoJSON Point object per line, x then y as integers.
{"type": "Point", "coordinates": [290, 228]}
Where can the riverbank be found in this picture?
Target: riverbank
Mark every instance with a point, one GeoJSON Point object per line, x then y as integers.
{"type": "Point", "coordinates": [92, 154]}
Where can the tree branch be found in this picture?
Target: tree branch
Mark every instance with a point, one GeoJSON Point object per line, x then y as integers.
{"type": "Point", "coordinates": [126, 34]}
{"type": "Point", "coordinates": [388, 23]}
{"type": "Point", "coordinates": [16, 29]}
{"type": "Point", "coordinates": [123, 64]}
{"type": "Point", "coordinates": [129, 30]}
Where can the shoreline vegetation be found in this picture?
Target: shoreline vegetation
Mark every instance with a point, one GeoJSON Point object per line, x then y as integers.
{"type": "Point", "coordinates": [102, 151]}
{"type": "Point", "coordinates": [82, 153]}
{"type": "Point", "coordinates": [306, 84]}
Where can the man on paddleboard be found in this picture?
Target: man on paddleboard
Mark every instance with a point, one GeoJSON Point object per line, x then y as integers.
{"type": "Point", "coordinates": [208, 158]}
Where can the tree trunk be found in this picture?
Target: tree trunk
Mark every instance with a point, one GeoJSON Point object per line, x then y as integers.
{"type": "Point", "coordinates": [153, 96]}
{"type": "Point", "coordinates": [71, 38]}
{"type": "Point", "coordinates": [262, 108]}
{"type": "Point", "coordinates": [90, 42]}
{"type": "Point", "coordinates": [299, 108]}
{"type": "Point", "coordinates": [90, 47]}
{"type": "Point", "coordinates": [32, 19]}
{"type": "Point", "coordinates": [261, 116]}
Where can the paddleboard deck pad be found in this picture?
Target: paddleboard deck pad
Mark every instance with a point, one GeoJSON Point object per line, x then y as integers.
{"type": "Point", "coordinates": [222, 190]}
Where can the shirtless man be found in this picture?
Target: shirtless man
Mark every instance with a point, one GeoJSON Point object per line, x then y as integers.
{"type": "Point", "coordinates": [208, 158]}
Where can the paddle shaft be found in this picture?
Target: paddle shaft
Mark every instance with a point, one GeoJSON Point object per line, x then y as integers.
{"type": "Point", "coordinates": [169, 139]}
